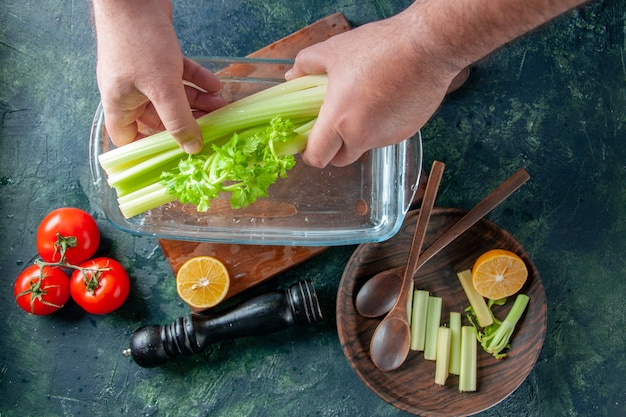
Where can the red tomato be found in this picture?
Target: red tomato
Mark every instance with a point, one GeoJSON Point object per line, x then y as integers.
{"type": "Point", "coordinates": [101, 286]}
{"type": "Point", "coordinates": [70, 227]}
{"type": "Point", "coordinates": [42, 291]}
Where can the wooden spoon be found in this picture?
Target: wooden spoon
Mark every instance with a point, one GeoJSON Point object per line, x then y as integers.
{"type": "Point", "coordinates": [378, 295]}
{"type": "Point", "coordinates": [391, 341]}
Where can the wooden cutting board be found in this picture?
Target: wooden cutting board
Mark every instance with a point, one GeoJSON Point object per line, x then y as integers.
{"type": "Point", "coordinates": [249, 265]}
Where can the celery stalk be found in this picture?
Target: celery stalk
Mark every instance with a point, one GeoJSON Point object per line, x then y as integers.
{"type": "Point", "coordinates": [418, 319]}
{"type": "Point", "coordinates": [295, 85]}
{"type": "Point", "coordinates": [133, 170]}
{"type": "Point", "coordinates": [143, 197]}
{"type": "Point", "coordinates": [495, 338]}
{"type": "Point", "coordinates": [433, 321]}
{"type": "Point", "coordinates": [477, 302]}
{"type": "Point", "coordinates": [215, 125]}
{"type": "Point", "coordinates": [469, 352]}
{"type": "Point", "coordinates": [455, 342]}
{"type": "Point", "coordinates": [442, 363]}
{"type": "Point", "coordinates": [147, 198]}
{"type": "Point", "coordinates": [243, 112]}
{"type": "Point", "coordinates": [298, 144]}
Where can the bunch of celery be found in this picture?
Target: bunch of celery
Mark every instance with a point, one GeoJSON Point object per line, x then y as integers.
{"type": "Point", "coordinates": [248, 144]}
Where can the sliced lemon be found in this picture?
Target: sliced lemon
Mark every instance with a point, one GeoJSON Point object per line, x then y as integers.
{"type": "Point", "coordinates": [202, 282]}
{"type": "Point", "coordinates": [498, 274]}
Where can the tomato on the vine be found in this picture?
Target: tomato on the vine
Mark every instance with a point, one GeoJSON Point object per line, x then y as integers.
{"type": "Point", "coordinates": [42, 291]}
{"type": "Point", "coordinates": [100, 286]}
{"type": "Point", "coordinates": [68, 227]}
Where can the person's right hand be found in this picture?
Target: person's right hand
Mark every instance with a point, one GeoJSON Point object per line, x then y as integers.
{"type": "Point", "coordinates": [382, 88]}
{"type": "Point", "coordinates": [145, 82]}
{"type": "Point", "coordinates": [387, 78]}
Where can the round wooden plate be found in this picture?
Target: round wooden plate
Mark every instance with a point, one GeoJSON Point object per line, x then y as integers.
{"type": "Point", "coordinates": [411, 387]}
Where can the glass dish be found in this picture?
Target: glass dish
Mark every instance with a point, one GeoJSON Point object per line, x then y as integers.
{"type": "Point", "coordinates": [364, 202]}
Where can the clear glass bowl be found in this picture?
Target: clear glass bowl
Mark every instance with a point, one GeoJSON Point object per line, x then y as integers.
{"type": "Point", "coordinates": [364, 202]}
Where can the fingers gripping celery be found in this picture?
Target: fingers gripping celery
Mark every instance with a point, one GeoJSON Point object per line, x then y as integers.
{"type": "Point", "coordinates": [238, 137]}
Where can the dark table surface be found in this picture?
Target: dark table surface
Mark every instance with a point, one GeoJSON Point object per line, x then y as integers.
{"type": "Point", "coordinates": [553, 102]}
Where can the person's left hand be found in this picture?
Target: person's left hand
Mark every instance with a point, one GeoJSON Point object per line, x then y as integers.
{"type": "Point", "coordinates": [146, 84]}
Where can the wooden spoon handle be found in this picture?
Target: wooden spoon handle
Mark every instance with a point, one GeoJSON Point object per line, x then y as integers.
{"type": "Point", "coordinates": [434, 179]}
{"type": "Point", "coordinates": [479, 211]}
{"type": "Point", "coordinates": [391, 340]}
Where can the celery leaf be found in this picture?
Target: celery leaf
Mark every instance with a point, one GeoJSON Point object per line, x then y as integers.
{"type": "Point", "coordinates": [245, 166]}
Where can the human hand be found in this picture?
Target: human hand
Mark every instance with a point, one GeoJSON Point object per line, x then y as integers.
{"type": "Point", "coordinates": [146, 84]}
{"type": "Point", "coordinates": [381, 90]}
{"type": "Point", "coordinates": [387, 78]}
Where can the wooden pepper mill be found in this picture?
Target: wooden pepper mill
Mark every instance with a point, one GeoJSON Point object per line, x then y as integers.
{"type": "Point", "coordinates": [154, 345]}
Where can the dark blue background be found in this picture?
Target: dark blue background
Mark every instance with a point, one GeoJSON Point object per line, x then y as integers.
{"type": "Point", "coordinates": [553, 102]}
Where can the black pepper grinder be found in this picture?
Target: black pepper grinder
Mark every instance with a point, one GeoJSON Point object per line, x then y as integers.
{"type": "Point", "coordinates": [153, 345]}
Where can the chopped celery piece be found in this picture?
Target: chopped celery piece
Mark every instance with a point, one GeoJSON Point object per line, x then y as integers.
{"type": "Point", "coordinates": [418, 319]}
{"type": "Point", "coordinates": [443, 355]}
{"type": "Point", "coordinates": [433, 321]}
{"type": "Point", "coordinates": [477, 302]}
{"type": "Point", "coordinates": [455, 342]}
{"type": "Point", "coordinates": [469, 352]}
